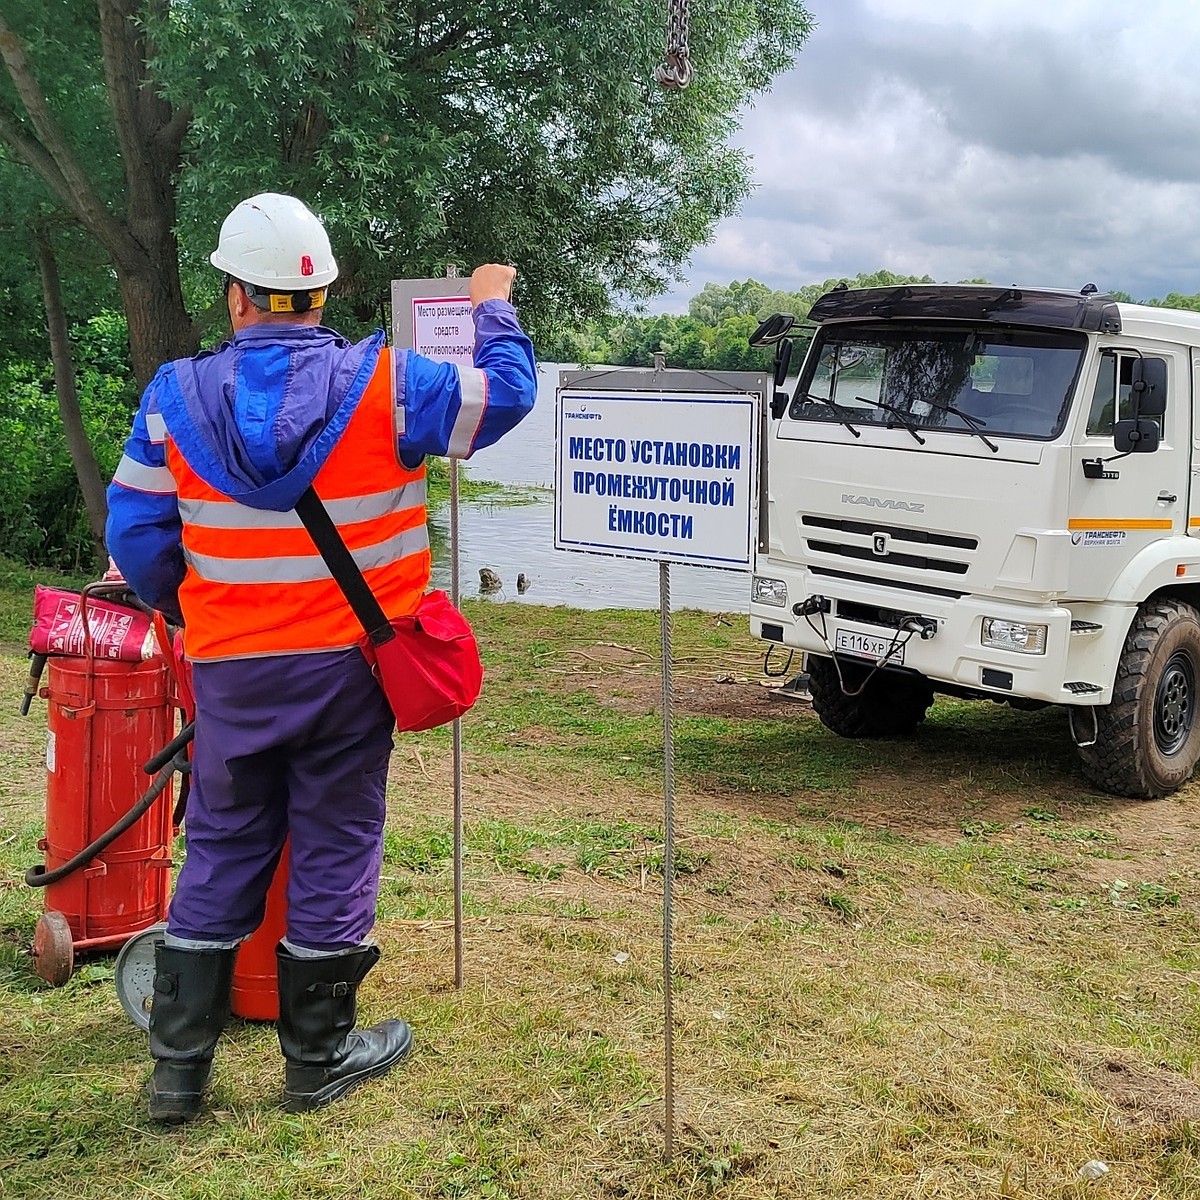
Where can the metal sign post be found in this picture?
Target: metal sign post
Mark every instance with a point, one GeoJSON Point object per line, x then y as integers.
{"type": "Point", "coordinates": [433, 317]}
{"type": "Point", "coordinates": [664, 608]}
{"type": "Point", "coordinates": [660, 465]}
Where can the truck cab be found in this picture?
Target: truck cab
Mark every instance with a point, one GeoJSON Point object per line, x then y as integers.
{"type": "Point", "coordinates": [987, 492]}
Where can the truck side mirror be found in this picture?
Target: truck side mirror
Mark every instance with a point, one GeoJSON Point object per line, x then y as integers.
{"type": "Point", "coordinates": [772, 329]}
{"type": "Point", "coordinates": [1149, 380]}
{"type": "Point", "coordinates": [1135, 437]}
{"type": "Point", "coordinates": [783, 360]}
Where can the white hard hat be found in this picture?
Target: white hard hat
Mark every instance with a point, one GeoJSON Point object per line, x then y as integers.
{"type": "Point", "coordinates": [277, 243]}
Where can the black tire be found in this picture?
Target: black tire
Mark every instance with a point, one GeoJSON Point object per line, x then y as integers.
{"type": "Point", "coordinates": [890, 705]}
{"type": "Point", "coordinates": [1148, 738]}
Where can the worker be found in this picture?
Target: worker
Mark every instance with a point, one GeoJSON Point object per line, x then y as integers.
{"type": "Point", "coordinates": [293, 733]}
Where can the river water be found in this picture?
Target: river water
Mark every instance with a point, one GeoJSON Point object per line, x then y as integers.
{"type": "Point", "coordinates": [515, 539]}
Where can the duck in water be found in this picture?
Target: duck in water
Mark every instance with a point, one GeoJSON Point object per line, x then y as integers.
{"type": "Point", "coordinates": [523, 582]}
{"type": "Point", "coordinates": [489, 581]}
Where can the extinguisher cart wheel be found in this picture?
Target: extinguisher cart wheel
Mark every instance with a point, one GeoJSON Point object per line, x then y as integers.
{"type": "Point", "coordinates": [53, 948]}
{"type": "Point", "coordinates": [135, 974]}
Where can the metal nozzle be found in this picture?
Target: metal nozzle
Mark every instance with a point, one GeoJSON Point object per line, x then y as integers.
{"type": "Point", "coordinates": [37, 665]}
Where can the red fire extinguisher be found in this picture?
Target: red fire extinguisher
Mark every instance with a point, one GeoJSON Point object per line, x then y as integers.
{"type": "Point", "coordinates": [255, 992]}
{"type": "Point", "coordinates": [107, 868]}
{"type": "Point", "coordinates": [107, 851]}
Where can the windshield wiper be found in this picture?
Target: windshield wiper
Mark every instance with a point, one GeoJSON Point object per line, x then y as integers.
{"type": "Point", "coordinates": [973, 423]}
{"type": "Point", "coordinates": [899, 414]}
{"type": "Point", "coordinates": [833, 407]}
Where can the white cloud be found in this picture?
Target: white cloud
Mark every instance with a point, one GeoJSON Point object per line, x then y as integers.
{"type": "Point", "coordinates": [1041, 143]}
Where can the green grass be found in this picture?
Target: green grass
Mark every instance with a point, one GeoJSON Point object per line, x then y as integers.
{"type": "Point", "coordinates": [437, 472]}
{"type": "Point", "coordinates": [900, 967]}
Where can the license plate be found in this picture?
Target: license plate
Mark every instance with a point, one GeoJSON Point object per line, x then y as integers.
{"type": "Point", "coordinates": [867, 645]}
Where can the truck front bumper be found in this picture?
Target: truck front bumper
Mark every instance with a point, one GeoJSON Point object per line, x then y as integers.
{"type": "Point", "coordinates": [827, 615]}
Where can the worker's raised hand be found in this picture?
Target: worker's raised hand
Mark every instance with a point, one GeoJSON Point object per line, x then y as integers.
{"type": "Point", "coordinates": [492, 281]}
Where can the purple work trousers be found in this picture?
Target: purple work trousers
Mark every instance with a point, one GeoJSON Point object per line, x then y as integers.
{"type": "Point", "coordinates": [297, 744]}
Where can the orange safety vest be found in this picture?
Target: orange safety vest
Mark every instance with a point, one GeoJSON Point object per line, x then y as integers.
{"type": "Point", "coordinates": [255, 583]}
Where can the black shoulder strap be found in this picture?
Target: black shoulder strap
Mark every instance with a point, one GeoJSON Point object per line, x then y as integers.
{"type": "Point", "coordinates": [343, 568]}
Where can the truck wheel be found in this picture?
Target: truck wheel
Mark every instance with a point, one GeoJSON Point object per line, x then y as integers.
{"type": "Point", "coordinates": [890, 705]}
{"type": "Point", "coordinates": [1148, 738]}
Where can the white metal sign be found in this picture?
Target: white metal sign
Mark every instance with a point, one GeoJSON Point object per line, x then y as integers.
{"type": "Point", "coordinates": [443, 329]}
{"type": "Point", "coordinates": [670, 478]}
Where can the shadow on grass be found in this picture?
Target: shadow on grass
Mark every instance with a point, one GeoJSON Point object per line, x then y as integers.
{"type": "Point", "coordinates": [998, 749]}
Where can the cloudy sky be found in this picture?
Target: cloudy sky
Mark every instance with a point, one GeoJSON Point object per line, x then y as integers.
{"type": "Point", "coordinates": [1037, 142]}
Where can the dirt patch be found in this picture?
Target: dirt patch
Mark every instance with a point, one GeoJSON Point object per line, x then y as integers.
{"type": "Point", "coordinates": [1103, 831]}
{"type": "Point", "coordinates": [737, 879]}
{"type": "Point", "coordinates": [628, 679]}
{"type": "Point", "coordinates": [739, 699]}
{"type": "Point", "coordinates": [488, 791]}
{"type": "Point", "coordinates": [964, 909]}
{"type": "Point", "coordinates": [928, 809]}
{"type": "Point", "coordinates": [609, 654]}
{"type": "Point", "coordinates": [1140, 1094]}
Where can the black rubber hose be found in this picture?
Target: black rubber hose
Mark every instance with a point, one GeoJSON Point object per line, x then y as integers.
{"type": "Point", "coordinates": [185, 787]}
{"type": "Point", "coordinates": [38, 876]}
{"type": "Point", "coordinates": [171, 749]}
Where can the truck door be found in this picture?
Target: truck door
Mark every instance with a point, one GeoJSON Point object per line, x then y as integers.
{"type": "Point", "coordinates": [1118, 505]}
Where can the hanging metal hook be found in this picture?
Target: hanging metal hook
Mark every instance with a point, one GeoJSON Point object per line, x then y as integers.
{"type": "Point", "coordinates": [676, 73]}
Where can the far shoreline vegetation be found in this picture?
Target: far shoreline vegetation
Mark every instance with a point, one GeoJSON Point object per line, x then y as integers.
{"type": "Point", "coordinates": [42, 512]}
{"type": "Point", "coordinates": [713, 334]}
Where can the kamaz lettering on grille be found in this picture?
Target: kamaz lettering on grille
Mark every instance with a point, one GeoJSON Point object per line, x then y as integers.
{"type": "Point", "coordinates": [880, 502]}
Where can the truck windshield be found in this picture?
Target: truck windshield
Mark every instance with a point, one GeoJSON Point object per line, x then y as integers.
{"type": "Point", "coordinates": [1002, 382]}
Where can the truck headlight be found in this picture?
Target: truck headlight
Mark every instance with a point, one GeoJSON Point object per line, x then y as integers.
{"type": "Point", "coordinates": [768, 591]}
{"type": "Point", "coordinates": [1018, 636]}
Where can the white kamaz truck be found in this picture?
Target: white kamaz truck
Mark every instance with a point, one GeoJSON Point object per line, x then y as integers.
{"type": "Point", "coordinates": [992, 493]}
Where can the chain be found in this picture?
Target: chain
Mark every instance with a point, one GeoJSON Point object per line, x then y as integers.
{"type": "Point", "coordinates": [676, 73]}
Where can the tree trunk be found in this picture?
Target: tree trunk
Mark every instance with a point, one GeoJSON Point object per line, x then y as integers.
{"type": "Point", "coordinates": [159, 326]}
{"type": "Point", "coordinates": [84, 460]}
{"type": "Point", "coordinates": [150, 136]}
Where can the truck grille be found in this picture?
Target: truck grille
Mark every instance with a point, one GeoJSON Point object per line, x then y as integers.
{"type": "Point", "coordinates": [903, 585]}
{"type": "Point", "coordinates": [936, 554]}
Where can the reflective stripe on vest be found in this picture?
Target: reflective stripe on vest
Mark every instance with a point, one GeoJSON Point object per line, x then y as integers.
{"type": "Point", "coordinates": [227, 514]}
{"type": "Point", "coordinates": [255, 583]}
{"type": "Point", "coordinates": [304, 568]}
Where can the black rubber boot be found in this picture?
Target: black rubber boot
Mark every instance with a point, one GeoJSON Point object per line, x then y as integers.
{"type": "Point", "coordinates": [191, 1006]}
{"type": "Point", "coordinates": [326, 1056]}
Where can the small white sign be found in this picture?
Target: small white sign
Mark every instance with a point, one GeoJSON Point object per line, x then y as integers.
{"type": "Point", "coordinates": [671, 478]}
{"type": "Point", "coordinates": [443, 329]}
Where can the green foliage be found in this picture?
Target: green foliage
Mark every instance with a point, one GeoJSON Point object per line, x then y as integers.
{"type": "Point", "coordinates": [472, 133]}
{"type": "Point", "coordinates": [714, 335]}
{"type": "Point", "coordinates": [424, 136]}
{"type": "Point", "coordinates": [41, 510]}
{"type": "Point", "coordinates": [1177, 300]}
{"type": "Point", "coordinates": [62, 42]}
